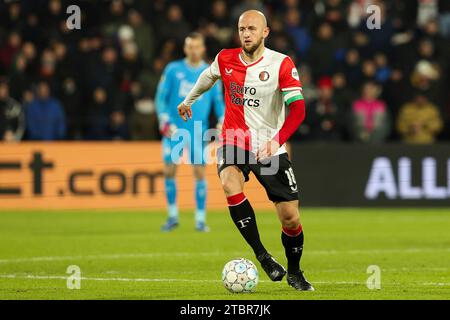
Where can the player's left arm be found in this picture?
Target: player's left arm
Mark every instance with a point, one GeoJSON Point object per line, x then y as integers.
{"type": "Point", "coordinates": [291, 88]}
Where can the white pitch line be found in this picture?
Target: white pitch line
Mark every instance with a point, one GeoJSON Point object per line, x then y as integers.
{"type": "Point", "coordinates": [37, 277]}
{"type": "Point", "coordinates": [402, 269]}
{"type": "Point", "coordinates": [437, 284]}
{"type": "Point", "coordinates": [102, 257]}
{"type": "Point", "coordinates": [30, 276]}
{"type": "Point", "coordinates": [207, 254]}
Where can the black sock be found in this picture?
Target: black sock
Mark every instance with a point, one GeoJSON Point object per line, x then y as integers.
{"type": "Point", "coordinates": [293, 246]}
{"type": "Point", "coordinates": [244, 218]}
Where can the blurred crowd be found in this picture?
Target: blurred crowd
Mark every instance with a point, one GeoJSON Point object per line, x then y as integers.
{"type": "Point", "coordinates": [98, 83]}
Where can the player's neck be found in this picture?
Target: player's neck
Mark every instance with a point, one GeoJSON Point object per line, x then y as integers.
{"type": "Point", "coordinates": [254, 56]}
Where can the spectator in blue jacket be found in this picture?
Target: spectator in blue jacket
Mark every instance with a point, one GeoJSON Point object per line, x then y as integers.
{"type": "Point", "coordinates": [45, 116]}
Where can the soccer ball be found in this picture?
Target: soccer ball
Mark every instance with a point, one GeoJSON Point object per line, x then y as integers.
{"type": "Point", "coordinates": [240, 275]}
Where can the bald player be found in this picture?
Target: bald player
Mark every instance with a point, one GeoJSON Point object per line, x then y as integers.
{"type": "Point", "coordinates": [260, 84]}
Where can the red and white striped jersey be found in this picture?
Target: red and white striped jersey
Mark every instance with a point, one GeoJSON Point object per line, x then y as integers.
{"type": "Point", "coordinates": [255, 96]}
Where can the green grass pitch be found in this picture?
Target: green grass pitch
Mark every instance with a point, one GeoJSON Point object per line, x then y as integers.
{"type": "Point", "coordinates": [123, 255]}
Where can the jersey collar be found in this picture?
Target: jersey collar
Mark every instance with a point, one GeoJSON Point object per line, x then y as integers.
{"type": "Point", "coordinates": [248, 65]}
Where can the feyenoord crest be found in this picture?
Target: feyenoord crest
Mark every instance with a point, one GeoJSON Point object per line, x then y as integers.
{"type": "Point", "coordinates": [264, 76]}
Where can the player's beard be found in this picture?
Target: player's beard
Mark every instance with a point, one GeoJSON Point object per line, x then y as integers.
{"type": "Point", "coordinates": [253, 48]}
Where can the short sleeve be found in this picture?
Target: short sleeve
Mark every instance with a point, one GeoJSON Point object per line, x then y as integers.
{"type": "Point", "coordinates": [289, 81]}
{"type": "Point", "coordinates": [289, 78]}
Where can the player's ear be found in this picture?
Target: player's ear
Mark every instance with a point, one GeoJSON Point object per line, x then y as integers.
{"type": "Point", "coordinates": [266, 32]}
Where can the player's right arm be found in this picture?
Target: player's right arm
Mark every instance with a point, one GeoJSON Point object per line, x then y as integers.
{"type": "Point", "coordinates": [204, 82]}
{"type": "Point", "coordinates": [162, 101]}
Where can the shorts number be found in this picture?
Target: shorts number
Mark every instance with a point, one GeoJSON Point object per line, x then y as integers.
{"type": "Point", "coordinates": [292, 182]}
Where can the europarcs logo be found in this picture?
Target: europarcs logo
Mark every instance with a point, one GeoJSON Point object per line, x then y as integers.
{"type": "Point", "coordinates": [237, 91]}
